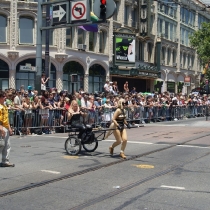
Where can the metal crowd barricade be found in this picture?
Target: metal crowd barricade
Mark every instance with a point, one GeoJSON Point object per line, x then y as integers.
{"type": "Point", "coordinates": [54, 120]}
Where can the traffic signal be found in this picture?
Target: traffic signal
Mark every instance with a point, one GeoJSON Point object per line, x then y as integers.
{"type": "Point", "coordinates": [103, 10]}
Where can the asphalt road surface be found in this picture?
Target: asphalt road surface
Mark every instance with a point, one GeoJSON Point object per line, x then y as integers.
{"type": "Point", "coordinates": [167, 168]}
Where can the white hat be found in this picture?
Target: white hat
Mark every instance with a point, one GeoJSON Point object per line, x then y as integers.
{"type": "Point", "coordinates": [174, 98]}
{"type": "Point", "coordinates": [111, 82]}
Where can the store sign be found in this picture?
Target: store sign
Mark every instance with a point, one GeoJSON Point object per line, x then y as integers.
{"type": "Point", "coordinates": [124, 48]}
{"type": "Point", "coordinates": [27, 68]}
{"type": "Point", "coordinates": [148, 74]}
{"type": "Point", "coordinates": [187, 81]}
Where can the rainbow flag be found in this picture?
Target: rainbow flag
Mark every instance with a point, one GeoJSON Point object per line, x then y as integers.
{"type": "Point", "coordinates": [91, 27]}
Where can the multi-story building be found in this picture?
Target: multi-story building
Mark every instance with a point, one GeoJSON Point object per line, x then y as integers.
{"type": "Point", "coordinates": [129, 47]}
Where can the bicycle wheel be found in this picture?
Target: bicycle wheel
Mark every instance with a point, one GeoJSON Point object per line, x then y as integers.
{"type": "Point", "coordinates": [73, 146]}
{"type": "Point", "coordinates": [91, 147]}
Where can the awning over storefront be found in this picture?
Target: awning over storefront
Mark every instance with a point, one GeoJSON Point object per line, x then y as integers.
{"type": "Point", "coordinates": [141, 71]}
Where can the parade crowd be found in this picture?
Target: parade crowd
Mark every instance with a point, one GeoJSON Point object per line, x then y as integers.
{"type": "Point", "coordinates": [44, 113]}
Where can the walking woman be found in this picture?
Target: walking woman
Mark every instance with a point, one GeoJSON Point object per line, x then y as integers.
{"type": "Point", "coordinates": [118, 123]}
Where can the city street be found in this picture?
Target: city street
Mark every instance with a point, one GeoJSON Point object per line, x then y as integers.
{"type": "Point", "coordinates": [167, 168]}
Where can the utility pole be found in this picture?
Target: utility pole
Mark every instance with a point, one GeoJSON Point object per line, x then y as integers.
{"type": "Point", "coordinates": [47, 46]}
{"type": "Point", "coordinates": [39, 48]}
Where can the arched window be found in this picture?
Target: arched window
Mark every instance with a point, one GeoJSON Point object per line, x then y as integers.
{"type": "Point", "coordinates": [81, 36]}
{"type": "Point", "coordinates": [96, 78]}
{"type": "Point", "coordinates": [27, 78]}
{"type": "Point", "coordinates": [102, 44]}
{"type": "Point", "coordinates": [26, 29]}
{"type": "Point", "coordinates": [73, 76]}
{"type": "Point", "coordinates": [4, 72]}
{"type": "Point", "coordinates": [91, 41]}
{"type": "Point", "coordinates": [3, 29]}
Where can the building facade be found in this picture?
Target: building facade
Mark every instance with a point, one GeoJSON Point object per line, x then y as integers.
{"type": "Point", "coordinates": [145, 43]}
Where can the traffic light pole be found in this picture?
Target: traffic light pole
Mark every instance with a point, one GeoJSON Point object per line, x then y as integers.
{"type": "Point", "coordinates": [39, 48]}
{"type": "Point", "coordinates": [47, 46]}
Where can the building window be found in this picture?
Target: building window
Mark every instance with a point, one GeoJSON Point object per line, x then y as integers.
{"type": "Point", "coordinates": [149, 52]}
{"type": "Point", "coordinates": [134, 21]}
{"type": "Point", "coordinates": [102, 41]}
{"type": "Point", "coordinates": [3, 29]}
{"type": "Point", "coordinates": [126, 15]}
{"type": "Point", "coordinates": [184, 60]}
{"type": "Point", "coordinates": [26, 29]}
{"type": "Point", "coordinates": [91, 41]}
{"type": "Point", "coordinates": [163, 54]}
{"type": "Point", "coordinates": [141, 51]}
{"type": "Point", "coordinates": [174, 56]}
{"type": "Point", "coordinates": [168, 56]}
{"type": "Point", "coordinates": [181, 61]}
{"type": "Point", "coordinates": [4, 72]}
{"type": "Point", "coordinates": [69, 37]}
{"type": "Point", "coordinates": [189, 61]}
{"type": "Point", "coordinates": [192, 61]}
{"type": "Point", "coordinates": [117, 10]}
{"type": "Point", "coordinates": [73, 76]}
{"type": "Point", "coordinates": [27, 78]}
{"type": "Point", "coordinates": [96, 78]}
{"type": "Point", "coordinates": [81, 36]}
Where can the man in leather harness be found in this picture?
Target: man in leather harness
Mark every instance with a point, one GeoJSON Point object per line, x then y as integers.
{"type": "Point", "coordinates": [5, 132]}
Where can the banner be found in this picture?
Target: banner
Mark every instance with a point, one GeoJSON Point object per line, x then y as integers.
{"type": "Point", "coordinates": [125, 48]}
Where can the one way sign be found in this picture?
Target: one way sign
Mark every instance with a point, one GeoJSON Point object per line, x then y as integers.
{"type": "Point", "coordinates": [60, 13]}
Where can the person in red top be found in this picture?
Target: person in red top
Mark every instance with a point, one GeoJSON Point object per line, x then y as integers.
{"type": "Point", "coordinates": [67, 103]}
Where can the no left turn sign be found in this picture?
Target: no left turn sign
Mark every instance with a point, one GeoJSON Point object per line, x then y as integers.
{"type": "Point", "coordinates": [78, 11]}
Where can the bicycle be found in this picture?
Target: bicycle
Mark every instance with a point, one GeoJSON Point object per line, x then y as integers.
{"type": "Point", "coordinates": [81, 135]}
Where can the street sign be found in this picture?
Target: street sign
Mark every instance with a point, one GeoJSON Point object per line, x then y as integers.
{"type": "Point", "coordinates": [110, 8]}
{"type": "Point", "coordinates": [28, 68]}
{"type": "Point", "coordinates": [79, 11]}
{"type": "Point", "coordinates": [60, 13]}
{"type": "Point", "coordinates": [187, 84]}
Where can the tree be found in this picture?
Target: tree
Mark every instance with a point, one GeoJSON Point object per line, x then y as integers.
{"type": "Point", "coordinates": [200, 41]}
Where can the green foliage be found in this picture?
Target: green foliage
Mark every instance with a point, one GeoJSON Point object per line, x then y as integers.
{"type": "Point", "coordinates": [200, 41]}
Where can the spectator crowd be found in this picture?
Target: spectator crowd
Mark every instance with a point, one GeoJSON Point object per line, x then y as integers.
{"type": "Point", "coordinates": [31, 112]}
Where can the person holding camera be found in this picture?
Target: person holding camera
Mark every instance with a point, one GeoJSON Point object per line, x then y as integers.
{"type": "Point", "coordinates": [5, 132]}
{"type": "Point", "coordinates": [118, 123]}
